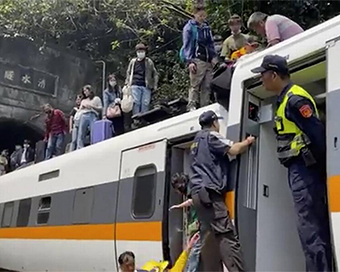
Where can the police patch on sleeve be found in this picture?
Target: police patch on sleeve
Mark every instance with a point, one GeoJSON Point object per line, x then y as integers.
{"type": "Point", "coordinates": [306, 111]}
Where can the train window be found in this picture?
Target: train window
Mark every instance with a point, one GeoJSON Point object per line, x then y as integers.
{"type": "Point", "coordinates": [24, 212]}
{"type": "Point", "coordinates": [144, 192]}
{"type": "Point", "coordinates": [49, 175]}
{"type": "Point", "coordinates": [82, 209]}
{"type": "Point", "coordinates": [44, 210]}
{"type": "Point", "coordinates": [7, 215]}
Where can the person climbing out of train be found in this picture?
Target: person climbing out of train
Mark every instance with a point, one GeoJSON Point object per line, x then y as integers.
{"type": "Point", "coordinates": [180, 263]}
{"type": "Point", "coordinates": [209, 182]}
{"type": "Point", "coordinates": [301, 147]}
{"type": "Point", "coordinates": [55, 125]}
{"type": "Point", "coordinates": [180, 182]}
{"type": "Point", "coordinates": [91, 107]}
{"type": "Point", "coordinates": [198, 52]}
{"type": "Point", "coordinates": [126, 262]}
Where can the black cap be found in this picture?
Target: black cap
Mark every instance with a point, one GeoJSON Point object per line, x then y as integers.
{"type": "Point", "coordinates": [141, 46]}
{"type": "Point", "coordinates": [207, 118]}
{"type": "Point", "coordinates": [218, 38]}
{"type": "Point", "coordinates": [273, 63]}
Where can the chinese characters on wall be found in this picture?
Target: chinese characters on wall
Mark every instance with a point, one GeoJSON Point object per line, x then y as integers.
{"type": "Point", "coordinates": [27, 78]}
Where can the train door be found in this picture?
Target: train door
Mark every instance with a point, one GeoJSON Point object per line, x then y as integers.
{"type": "Point", "coordinates": [333, 136]}
{"type": "Point", "coordinates": [140, 201]}
{"type": "Point", "coordinates": [266, 218]}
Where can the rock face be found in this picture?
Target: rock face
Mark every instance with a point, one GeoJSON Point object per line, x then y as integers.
{"type": "Point", "coordinates": [32, 75]}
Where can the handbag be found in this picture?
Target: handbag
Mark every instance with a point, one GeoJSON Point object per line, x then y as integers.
{"type": "Point", "coordinates": [127, 101]}
{"type": "Point", "coordinates": [113, 111]}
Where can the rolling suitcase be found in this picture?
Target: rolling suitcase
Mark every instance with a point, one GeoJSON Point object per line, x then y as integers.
{"type": "Point", "coordinates": [101, 130]}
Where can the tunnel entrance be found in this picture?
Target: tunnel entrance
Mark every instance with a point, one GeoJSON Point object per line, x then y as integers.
{"type": "Point", "coordinates": [14, 132]}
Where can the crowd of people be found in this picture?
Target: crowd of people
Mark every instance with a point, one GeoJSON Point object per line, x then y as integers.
{"type": "Point", "coordinates": [207, 183]}
{"type": "Point", "coordinates": [22, 156]}
{"type": "Point", "coordinates": [301, 139]}
{"type": "Point", "coordinates": [202, 51]}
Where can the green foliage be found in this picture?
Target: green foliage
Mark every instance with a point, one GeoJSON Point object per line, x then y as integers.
{"type": "Point", "coordinates": [110, 29]}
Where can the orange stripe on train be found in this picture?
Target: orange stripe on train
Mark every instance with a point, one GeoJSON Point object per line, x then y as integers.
{"type": "Point", "coordinates": [334, 193]}
{"type": "Point", "coordinates": [134, 231]}
{"type": "Point", "coordinates": [230, 202]}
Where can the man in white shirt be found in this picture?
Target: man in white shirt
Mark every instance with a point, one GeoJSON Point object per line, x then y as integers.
{"type": "Point", "coordinates": [27, 153]}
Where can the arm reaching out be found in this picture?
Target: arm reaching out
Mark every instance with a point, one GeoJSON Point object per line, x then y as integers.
{"type": "Point", "coordinates": [238, 148]}
{"type": "Point", "coordinates": [184, 204]}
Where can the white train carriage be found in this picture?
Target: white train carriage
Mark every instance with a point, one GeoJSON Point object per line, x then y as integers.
{"type": "Point", "coordinates": [78, 212]}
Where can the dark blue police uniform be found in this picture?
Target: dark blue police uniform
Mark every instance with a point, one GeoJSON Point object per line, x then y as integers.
{"type": "Point", "coordinates": [208, 183]}
{"type": "Point", "coordinates": [308, 185]}
{"type": "Point", "coordinates": [301, 147]}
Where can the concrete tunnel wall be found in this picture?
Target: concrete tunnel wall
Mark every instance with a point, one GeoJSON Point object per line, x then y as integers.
{"type": "Point", "coordinates": [32, 75]}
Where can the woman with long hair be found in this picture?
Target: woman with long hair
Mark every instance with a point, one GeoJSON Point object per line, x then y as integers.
{"type": "Point", "coordinates": [74, 121]}
{"type": "Point", "coordinates": [91, 107]}
{"type": "Point", "coordinates": [112, 108]}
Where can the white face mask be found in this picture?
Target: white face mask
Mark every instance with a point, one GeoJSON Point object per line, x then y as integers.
{"type": "Point", "coordinates": [141, 55]}
{"type": "Point", "coordinates": [112, 83]}
{"type": "Point", "coordinates": [218, 48]}
{"type": "Point", "coordinates": [26, 146]}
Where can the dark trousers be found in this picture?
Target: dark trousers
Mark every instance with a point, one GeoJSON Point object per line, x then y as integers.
{"type": "Point", "coordinates": [308, 186]}
{"type": "Point", "coordinates": [215, 218]}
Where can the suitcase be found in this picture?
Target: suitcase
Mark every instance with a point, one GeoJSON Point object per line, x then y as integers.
{"type": "Point", "coordinates": [40, 149]}
{"type": "Point", "coordinates": [101, 130]}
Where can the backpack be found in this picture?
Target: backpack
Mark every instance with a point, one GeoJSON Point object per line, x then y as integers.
{"type": "Point", "coordinates": [194, 42]}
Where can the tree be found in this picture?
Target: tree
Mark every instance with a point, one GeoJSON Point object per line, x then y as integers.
{"type": "Point", "coordinates": [109, 29]}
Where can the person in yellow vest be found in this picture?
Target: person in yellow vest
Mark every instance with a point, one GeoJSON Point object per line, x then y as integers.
{"type": "Point", "coordinates": [301, 147]}
{"type": "Point", "coordinates": [179, 265]}
{"type": "Point", "coordinates": [250, 46]}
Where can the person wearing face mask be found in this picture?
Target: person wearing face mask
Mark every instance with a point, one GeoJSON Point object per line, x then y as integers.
{"type": "Point", "coordinates": [199, 53]}
{"type": "Point", "coordinates": [236, 40]}
{"type": "Point", "coordinates": [144, 80]}
{"type": "Point", "coordinates": [218, 42]}
{"type": "Point", "coordinates": [111, 99]}
{"type": "Point", "coordinates": [27, 155]}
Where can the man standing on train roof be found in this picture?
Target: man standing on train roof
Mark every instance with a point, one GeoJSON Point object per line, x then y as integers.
{"type": "Point", "coordinates": [301, 147]}
{"type": "Point", "coordinates": [208, 184]}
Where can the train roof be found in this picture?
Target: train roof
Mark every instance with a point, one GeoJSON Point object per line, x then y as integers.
{"type": "Point", "coordinates": [99, 163]}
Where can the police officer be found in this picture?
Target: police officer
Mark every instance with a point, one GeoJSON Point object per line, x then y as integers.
{"type": "Point", "coordinates": [208, 183]}
{"type": "Point", "coordinates": [301, 147]}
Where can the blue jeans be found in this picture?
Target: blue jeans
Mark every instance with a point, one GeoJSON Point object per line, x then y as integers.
{"type": "Point", "coordinates": [75, 135]}
{"type": "Point", "coordinates": [54, 145]}
{"type": "Point", "coordinates": [141, 99]}
{"type": "Point", "coordinates": [194, 256]}
{"type": "Point", "coordinates": [86, 122]}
